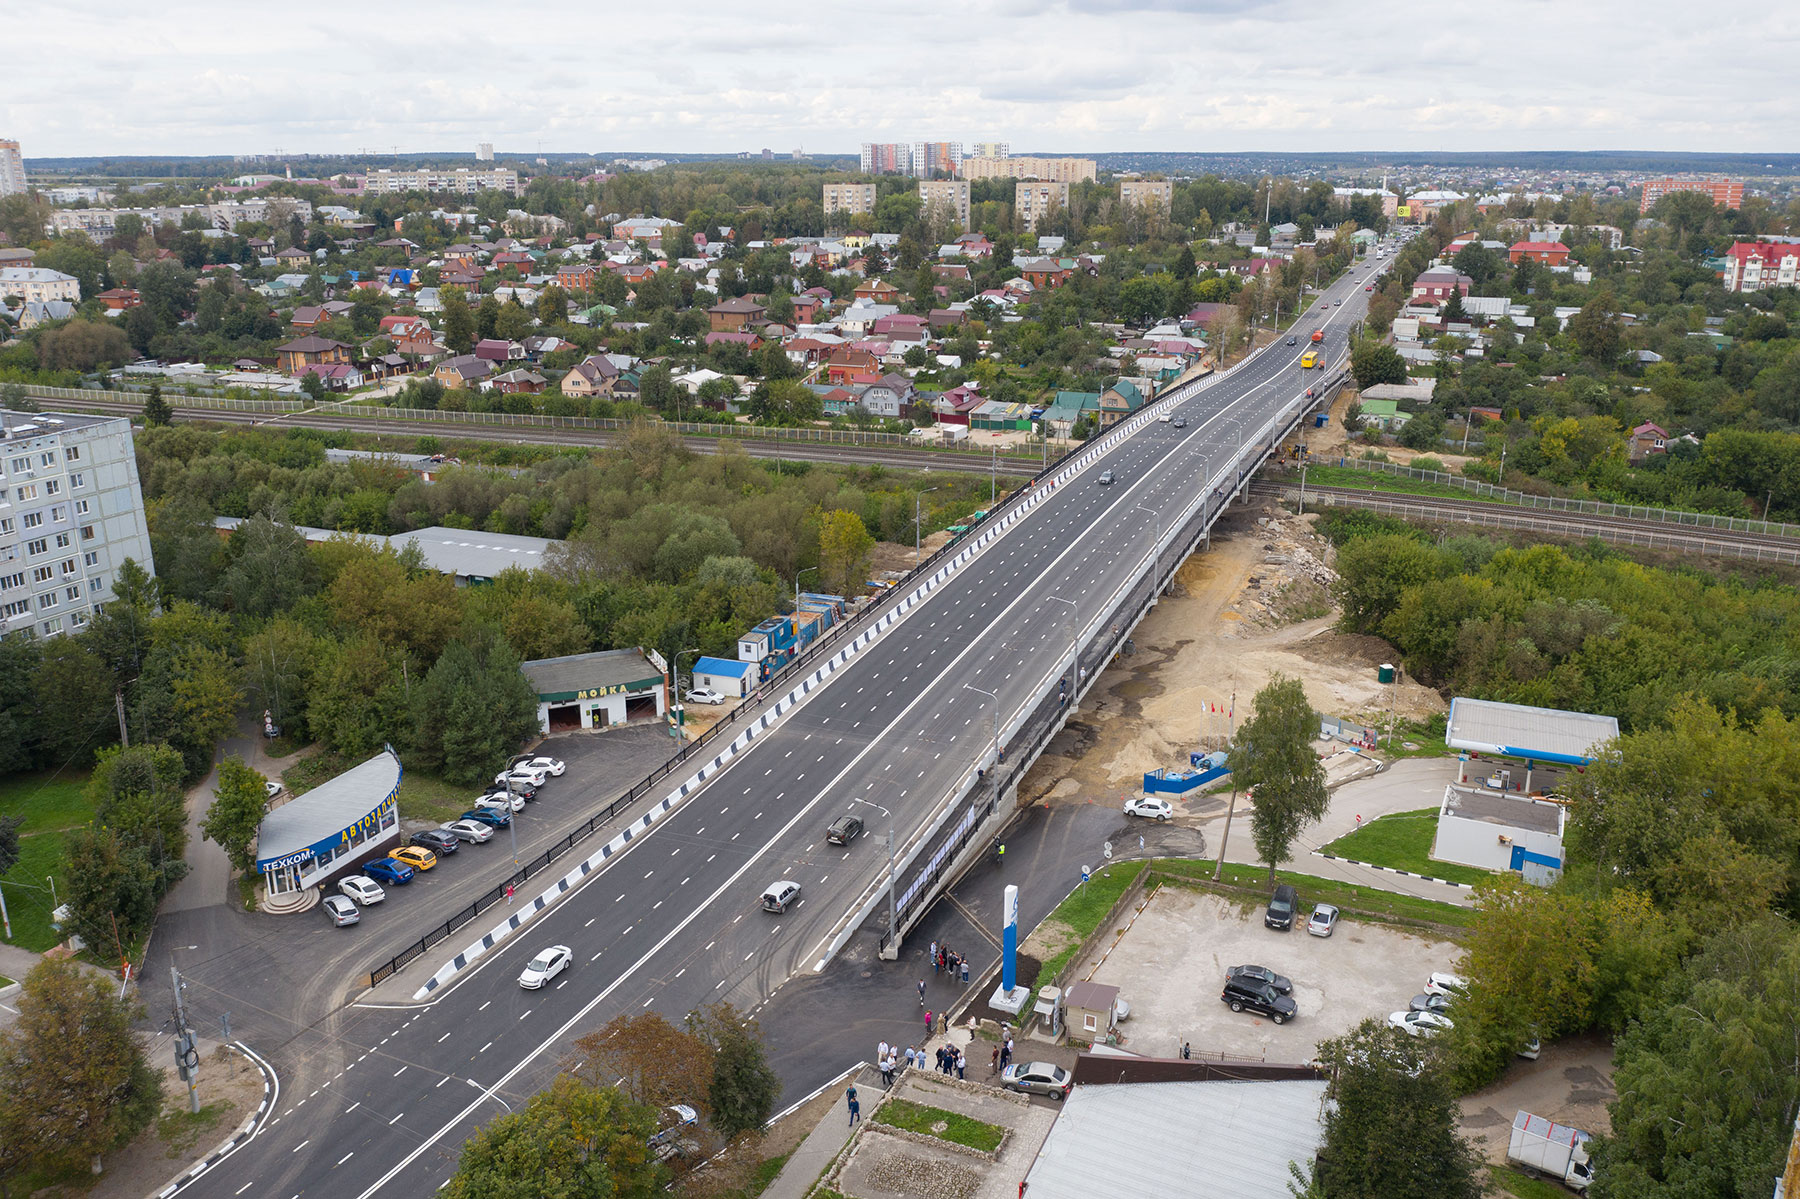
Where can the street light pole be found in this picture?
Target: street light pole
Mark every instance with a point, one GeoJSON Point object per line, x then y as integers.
{"type": "Point", "coordinates": [996, 698]}
{"type": "Point", "coordinates": [797, 574]}
{"type": "Point", "coordinates": [893, 925]}
{"type": "Point", "coordinates": [1155, 551]}
{"type": "Point", "coordinates": [1074, 653]}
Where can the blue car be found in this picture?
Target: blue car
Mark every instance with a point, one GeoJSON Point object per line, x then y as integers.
{"type": "Point", "coordinates": [492, 817]}
{"type": "Point", "coordinates": [388, 871]}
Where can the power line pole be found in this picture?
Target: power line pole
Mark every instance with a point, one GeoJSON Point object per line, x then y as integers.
{"type": "Point", "coordinates": [187, 1058]}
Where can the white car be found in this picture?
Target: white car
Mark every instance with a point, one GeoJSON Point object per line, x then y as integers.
{"type": "Point", "coordinates": [1324, 920]}
{"type": "Point", "coordinates": [546, 966]}
{"type": "Point", "coordinates": [704, 695]}
{"type": "Point", "coordinates": [472, 831]}
{"type": "Point", "coordinates": [521, 774]}
{"type": "Point", "coordinates": [1166, 417]}
{"type": "Point", "coordinates": [1149, 807]}
{"type": "Point", "coordinates": [552, 766]}
{"type": "Point", "coordinates": [361, 889]}
{"type": "Point", "coordinates": [1447, 984]}
{"type": "Point", "coordinates": [271, 789]}
{"type": "Point", "coordinates": [1420, 1024]}
{"type": "Point", "coordinates": [779, 896]}
{"type": "Point", "coordinates": [502, 803]}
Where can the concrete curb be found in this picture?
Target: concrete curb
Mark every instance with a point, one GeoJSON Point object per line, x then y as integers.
{"type": "Point", "coordinates": [1319, 853]}
{"type": "Point", "coordinates": [245, 1133]}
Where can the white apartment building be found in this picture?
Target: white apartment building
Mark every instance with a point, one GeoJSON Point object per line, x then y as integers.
{"type": "Point", "coordinates": [848, 198]}
{"type": "Point", "coordinates": [951, 194]}
{"type": "Point", "coordinates": [36, 284]}
{"type": "Point", "coordinates": [990, 150]}
{"type": "Point", "coordinates": [1033, 201]}
{"type": "Point", "coordinates": [101, 223]}
{"type": "Point", "coordinates": [1159, 193]}
{"type": "Point", "coordinates": [12, 168]}
{"type": "Point", "coordinates": [71, 513]}
{"type": "Point", "coordinates": [484, 151]}
{"type": "Point", "coordinates": [1050, 170]}
{"type": "Point", "coordinates": [460, 181]}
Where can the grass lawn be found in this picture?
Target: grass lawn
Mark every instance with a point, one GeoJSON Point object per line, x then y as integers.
{"type": "Point", "coordinates": [1368, 480]}
{"type": "Point", "coordinates": [422, 796]}
{"type": "Point", "coordinates": [1083, 911]}
{"type": "Point", "coordinates": [936, 1122]}
{"type": "Point", "coordinates": [1403, 841]}
{"type": "Point", "coordinates": [1514, 1183]}
{"type": "Point", "coordinates": [51, 804]}
{"type": "Point", "coordinates": [1353, 899]}
{"type": "Point", "coordinates": [179, 1128]}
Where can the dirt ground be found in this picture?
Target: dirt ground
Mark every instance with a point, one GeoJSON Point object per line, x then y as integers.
{"type": "Point", "coordinates": [1254, 605]}
{"type": "Point", "coordinates": [166, 1148]}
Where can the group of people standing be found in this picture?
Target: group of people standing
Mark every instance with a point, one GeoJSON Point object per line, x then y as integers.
{"type": "Point", "coordinates": [943, 959]}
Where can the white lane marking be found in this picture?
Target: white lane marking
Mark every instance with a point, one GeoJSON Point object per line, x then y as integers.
{"type": "Point", "coordinates": [301, 1145]}
{"type": "Point", "coordinates": [345, 1158]}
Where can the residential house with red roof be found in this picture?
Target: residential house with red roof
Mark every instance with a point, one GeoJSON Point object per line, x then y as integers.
{"type": "Point", "coordinates": [879, 291]}
{"type": "Point", "coordinates": [1544, 253]}
{"type": "Point", "coordinates": [1755, 265]}
{"type": "Point", "coordinates": [849, 364]}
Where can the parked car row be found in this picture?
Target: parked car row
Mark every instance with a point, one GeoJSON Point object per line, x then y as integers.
{"type": "Point", "coordinates": [422, 850]}
{"type": "Point", "coordinates": [1428, 1013]}
{"type": "Point", "coordinates": [1261, 990]}
{"type": "Point", "coordinates": [1285, 902]}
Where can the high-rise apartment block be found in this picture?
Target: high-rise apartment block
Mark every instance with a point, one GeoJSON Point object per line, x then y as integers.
{"type": "Point", "coordinates": [886, 158]}
{"type": "Point", "coordinates": [1147, 193]}
{"type": "Point", "coordinates": [484, 151]}
{"type": "Point", "coordinates": [12, 168]}
{"type": "Point", "coordinates": [1050, 170]}
{"type": "Point", "coordinates": [990, 150]}
{"type": "Point", "coordinates": [950, 195]}
{"type": "Point", "coordinates": [1728, 193]}
{"type": "Point", "coordinates": [1033, 201]}
{"type": "Point", "coordinates": [848, 198]}
{"type": "Point", "coordinates": [936, 158]}
{"type": "Point", "coordinates": [71, 513]}
{"type": "Point", "coordinates": [461, 181]}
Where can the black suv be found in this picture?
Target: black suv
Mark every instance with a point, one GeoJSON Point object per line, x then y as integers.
{"type": "Point", "coordinates": [1251, 995]}
{"type": "Point", "coordinates": [1281, 908]}
{"type": "Point", "coordinates": [844, 831]}
{"type": "Point", "coordinates": [436, 840]}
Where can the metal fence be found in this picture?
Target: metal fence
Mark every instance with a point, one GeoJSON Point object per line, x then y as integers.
{"type": "Point", "coordinates": [1493, 491]}
{"type": "Point", "coordinates": [1503, 516]}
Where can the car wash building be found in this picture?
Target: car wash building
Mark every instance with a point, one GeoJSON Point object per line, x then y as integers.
{"type": "Point", "coordinates": [599, 690]}
{"type": "Point", "coordinates": [1502, 813]}
{"type": "Point", "coordinates": [324, 831]}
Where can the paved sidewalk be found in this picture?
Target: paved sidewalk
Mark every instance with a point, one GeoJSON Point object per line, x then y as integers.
{"type": "Point", "coordinates": [822, 1145]}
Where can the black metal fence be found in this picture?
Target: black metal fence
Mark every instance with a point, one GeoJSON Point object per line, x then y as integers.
{"type": "Point", "coordinates": [730, 723]}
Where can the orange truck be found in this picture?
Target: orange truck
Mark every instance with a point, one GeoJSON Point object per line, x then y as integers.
{"type": "Point", "coordinates": [1318, 335]}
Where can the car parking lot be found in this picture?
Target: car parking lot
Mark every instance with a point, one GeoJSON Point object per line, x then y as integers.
{"type": "Point", "coordinates": [1170, 967]}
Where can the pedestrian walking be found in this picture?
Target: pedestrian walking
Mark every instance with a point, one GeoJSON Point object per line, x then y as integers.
{"type": "Point", "coordinates": [962, 1063]}
{"type": "Point", "coordinates": [881, 1056]}
{"type": "Point", "coordinates": [995, 1068]}
{"type": "Point", "coordinates": [855, 1108]}
{"type": "Point", "coordinates": [943, 1022]}
{"type": "Point", "coordinates": [912, 1057]}
{"type": "Point", "coordinates": [941, 1051]}
{"type": "Point", "coordinates": [1187, 1051]}
{"type": "Point", "coordinates": [965, 972]}
{"type": "Point", "coordinates": [893, 1065]}
{"type": "Point", "coordinates": [921, 992]}
{"type": "Point", "coordinates": [934, 955]}
{"type": "Point", "coordinates": [928, 1024]}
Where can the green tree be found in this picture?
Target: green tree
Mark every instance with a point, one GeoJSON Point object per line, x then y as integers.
{"type": "Point", "coordinates": [472, 709]}
{"type": "Point", "coordinates": [1707, 1086]}
{"type": "Point", "coordinates": [84, 346]}
{"type": "Point", "coordinates": [744, 1085]}
{"type": "Point", "coordinates": [1597, 329]}
{"type": "Point", "coordinates": [458, 321]}
{"type": "Point", "coordinates": [270, 569]}
{"type": "Point", "coordinates": [513, 323]}
{"type": "Point", "coordinates": [844, 546]}
{"type": "Point", "coordinates": [156, 409]}
{"type": "Point", "coordinates": [571, 1141]}
{"type": "Point", "coordinates": [1391, 1128]}
{"type": "Point", "coordinates": [1273, 755]}
{"type": "Point", "coordinates": [236, 813]}
{"type": "Point", "coordinates": [74, 1084]}
{"type": "Point", "coordinates": [137, 792]}
{"type": "Point", "coordinates": [111, 880]}
{"type": "Point", "coordinates": [1374, 362]}
{"type": "Point", "coordinates": [1373, 573]}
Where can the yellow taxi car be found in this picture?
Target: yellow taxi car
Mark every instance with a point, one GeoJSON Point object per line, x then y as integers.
{"type": "Point", "coordinates": [415, 856]}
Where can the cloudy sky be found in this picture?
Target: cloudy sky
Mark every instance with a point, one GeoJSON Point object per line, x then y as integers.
{"type": "Point", "coordinates": [186, 77]}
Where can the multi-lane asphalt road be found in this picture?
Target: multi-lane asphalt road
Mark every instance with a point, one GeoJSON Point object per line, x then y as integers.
{"type": "Point", "coordinates": [377, 1101]}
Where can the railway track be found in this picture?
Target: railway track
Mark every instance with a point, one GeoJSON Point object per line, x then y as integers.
{"type": "Point", "coordinates": [848, 455]}
{"type": "Point", "coordinates": [1759, 547]}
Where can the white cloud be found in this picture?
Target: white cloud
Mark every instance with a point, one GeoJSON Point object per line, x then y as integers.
{"type": "Point", "coordinates": [1074, 75]}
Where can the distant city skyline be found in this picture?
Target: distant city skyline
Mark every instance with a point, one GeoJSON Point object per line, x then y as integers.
{"type": "Point", "coordinates": [1077, 76]}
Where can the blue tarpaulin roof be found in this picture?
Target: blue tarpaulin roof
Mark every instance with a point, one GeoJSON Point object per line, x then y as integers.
{"type": "Point", "coordinates": [724, 667]}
